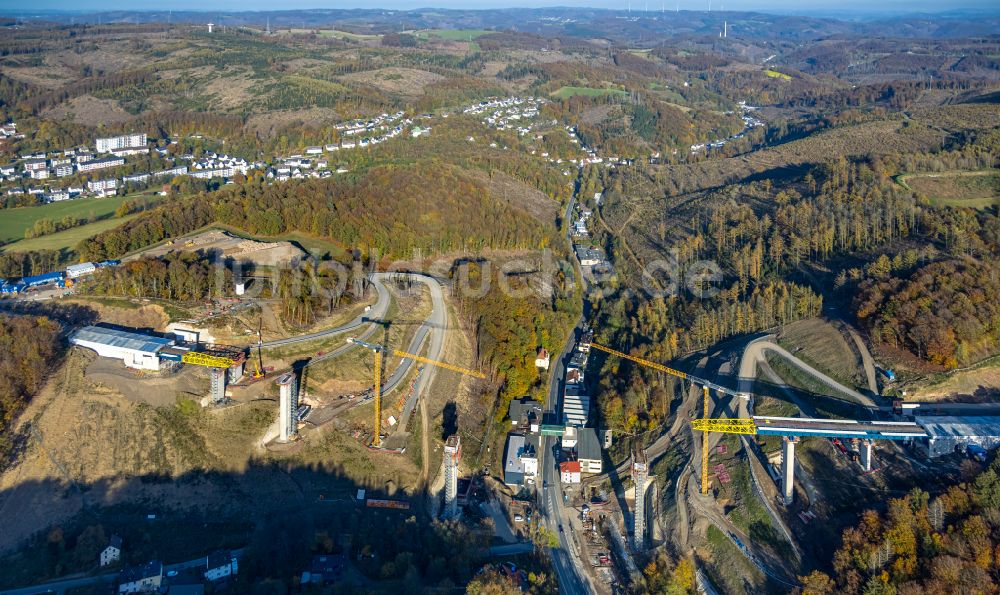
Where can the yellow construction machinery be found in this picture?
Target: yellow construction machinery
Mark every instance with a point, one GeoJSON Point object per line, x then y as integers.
{"type": "Point", "coordinates": [705, 386]}
{"type": "Point", "coordinates": [738, 425]}
{"type": "Point", "coordinates": [378, 350]}
{"type": "Point", "coordinates": [258, 364]}
{"type": "Point", "coordinates": [207, 359]}
{"type": "Point", "coordinates": [219, 358]}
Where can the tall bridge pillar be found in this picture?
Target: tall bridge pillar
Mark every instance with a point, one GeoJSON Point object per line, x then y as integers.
{"type": "Point", "coordinates": [788, 467]}
{"type": "Point", "coordinates": [640, 470]}
{"type": "Point", "coordinates": [288, 404]}
{"type": "Point", "coordinates": [452, 456]}
{"type": "Point", "coordinates": [866, 454]}
{"type": "Point", "coordinates": [217, 378]}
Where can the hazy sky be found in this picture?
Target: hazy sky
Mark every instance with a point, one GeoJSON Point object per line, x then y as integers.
{"type": "Point", "coordinates": [786, 6]}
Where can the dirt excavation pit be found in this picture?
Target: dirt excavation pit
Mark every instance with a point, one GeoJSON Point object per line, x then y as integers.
{"type": "Point", "coordinates": [220, 244]}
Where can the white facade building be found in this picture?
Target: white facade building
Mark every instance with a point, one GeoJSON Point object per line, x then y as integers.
{"type": "Point", "coordinates": [103, 186]}
{"type": "Point", "coordinates": [125, 141]}
{"type": "Point", "coordinates": [220, 565]}
{"type": "Point", "coordinates": [99, 163]}
{"type": "Point", "coordinates": [141, 579]}
{"type": "Point", "coordinates": [113, 552]}
{"type": "Point", "coordinates": [136, 350]}
{"type": "Point", "coordinates": [75, 271]}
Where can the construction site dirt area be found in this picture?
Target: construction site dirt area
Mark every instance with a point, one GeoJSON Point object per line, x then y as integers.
{"type": "Point", "coordinates": [978, 385]}
{"type": "Point", "coordinates": [218, 243]}
{"type": "Point", "coordinates": [91, 450]}
{"type": "Point", "coordinates": [158, 390]}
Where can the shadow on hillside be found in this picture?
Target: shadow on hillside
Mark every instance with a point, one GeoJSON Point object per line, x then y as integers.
{"type": "Point", "coordinates": [281, 513]}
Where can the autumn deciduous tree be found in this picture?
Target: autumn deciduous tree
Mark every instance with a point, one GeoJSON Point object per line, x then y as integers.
{"type": "Point", "coordinates": [948, 544]}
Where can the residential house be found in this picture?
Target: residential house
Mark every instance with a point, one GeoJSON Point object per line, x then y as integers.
{"type": "Point", "coordinates": [207, 174]}
{"type": "Point", "coordinates": [112, 553]}
{"type": "Point", "coordinates": [109, 186]}
{"type": "Point", "coordinates": [520, 460]}
{"type": "Point", "coordinates": [569, 471]}
{"type": "Point", "coordinates": [99, 163]}
{"type": "Point", "coordinates": [525, 414]}
{"type": "Point", "coordinates": [324, 569]}
{"type": "Point", "coordinates": [145, 578]}
{"type": "Point", "coordinates": [63, 170]}
{"type": "Point", "coordinates": [542, 359]}
{"type": "Point", "coordinates": [588, 256]}
{"type": "Point", "coordinates": [569, 438]}
{"type": "Point", "coordinates": [125, 141]}
{"type": "Point", "coordinates": [220, 565]}
{"type": "Point", "coordinates": [35, 165]}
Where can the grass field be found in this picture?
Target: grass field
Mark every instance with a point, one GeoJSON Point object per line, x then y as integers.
{"type": "Point", "coordinates": [821, 345]}
{"type": "Point", "coordinates": [15, 221]}
{"type": "Point", "coordinates": [974, 189]}
{"type": "Point", "coordinates": [567, 92]}
{"type": "Point", "coordinates": [728, 568]}
{"type": "Point", "coordinates": [340, 34]}
{"type": "Point", "coordinates": [66, 239]}
{"type": "Point", "coordinates": [778, 75]}
{"type": "Point", "coordinates": [453, 34]}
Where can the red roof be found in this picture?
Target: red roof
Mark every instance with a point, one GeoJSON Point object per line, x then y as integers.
{"type": "Point", "coordinates": [543, 353]}
{"type": "Point", "coordinates": [569, 467]}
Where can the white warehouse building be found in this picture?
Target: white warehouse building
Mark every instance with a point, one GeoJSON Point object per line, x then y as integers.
{"type": "Point", "coordinates": [136, 350]}
{"type": "Point", "coordinates": [75, 271]}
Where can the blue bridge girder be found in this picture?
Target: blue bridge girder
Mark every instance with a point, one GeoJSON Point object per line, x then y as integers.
{"type": "Point", "coordinates": [837, 428]}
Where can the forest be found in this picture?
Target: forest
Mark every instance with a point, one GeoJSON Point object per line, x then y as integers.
{"type": "Point", "coordinates": [509, 328]}
{"type": "Point", "coordinates": [182, 276]}
{"type": "Point", "coordinates": [390, 210]}
{"type": "Point", "coordinates": [946, 313]}
{"type": "Point", "coordinates": [633, 399]}
{"type": "Point", "coordinates": [949, 543]}
{"type": "Point", "coordinates": [28, 347]}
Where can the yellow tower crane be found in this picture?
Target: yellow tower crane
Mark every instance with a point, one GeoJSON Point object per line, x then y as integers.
{"type": "Point", "coordinates": [705, 386]}
{"type": "Point", "coordinates": [219, 358]}
{"type": "Point", "coordinates": [378, 351]}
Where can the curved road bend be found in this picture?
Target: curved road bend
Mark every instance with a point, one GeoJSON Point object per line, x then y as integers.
{"type": "Point", "coordinates": [437, 320]}
{"type": "Point", "coordinates": [754, 353]}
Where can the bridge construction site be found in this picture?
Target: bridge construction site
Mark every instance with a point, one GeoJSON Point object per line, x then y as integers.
{"type": "Point", "coordinates": [557, 455]}
{"type": "Point", "coordinates": [723, 411]}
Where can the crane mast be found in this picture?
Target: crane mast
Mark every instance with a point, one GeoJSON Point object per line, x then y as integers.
{"type": "Point", "coordinates": [379, 350]}
{"type": "Point", "coordinates": [706, 386]}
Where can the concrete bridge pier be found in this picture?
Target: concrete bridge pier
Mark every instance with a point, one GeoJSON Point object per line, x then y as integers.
{"type": "Point", "coordinates": [866, 454]}
{"type": "Point", "coordinates": [788, 467]}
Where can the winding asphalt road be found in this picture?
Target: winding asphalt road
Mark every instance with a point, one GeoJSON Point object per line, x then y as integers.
{"type": "Point", "coordinates": [370, 321]}
{"type": "Point", "coordinates": [754, 353]}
